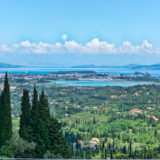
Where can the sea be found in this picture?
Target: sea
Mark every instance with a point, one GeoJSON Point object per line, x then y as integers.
{"type": "Point", "coordinates": [101, 83]}
{"type": "Point", "coordinates": [45, 70]}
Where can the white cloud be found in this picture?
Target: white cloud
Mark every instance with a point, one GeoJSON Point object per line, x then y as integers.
{"type": "Point", "coordinates": [127, 47]}
{"type": "Point", "coordinates": [72, 46]}
{"type": "Point", "coordinates": [94, 46]}
{"type": "Point", "coordinates": [64, 37]}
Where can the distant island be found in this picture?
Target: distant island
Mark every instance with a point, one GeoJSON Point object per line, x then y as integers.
{"type": "Point", "coordinates": [5, 65]}
{"type": "Point", "coordinates": [129, 66]}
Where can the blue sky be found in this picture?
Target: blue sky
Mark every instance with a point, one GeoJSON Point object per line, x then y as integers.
{"type": "Point", "coordinates": [87, 28]}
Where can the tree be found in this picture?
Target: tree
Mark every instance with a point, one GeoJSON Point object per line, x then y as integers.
{"type": "Point", "coordinates": [17, 148]}
{"type": "Point", "coordinates": [38, 123]}
{"type": "Point", "coordinates": [43, 116]}
{"type": "Point", "coordinates": [43, 129]}
{"type": "Point", "coordinates": [42, 140]}
{"type": "Point", "coordinates": [52, 138]}
{"type": "Point", "coordinates": [94, 120]}
{"type": "Point", "coordinates": [37, 129]}
{"type": "Point", "coordinates": [44, 108]}
{"type": "Point", "coordinates": [130, 148]}
{"type": "Point", "coordinates": [124, 150]}
{"type": "Point", "coordinates": [111, 154]}
{"type": "Point", "coordinates": [5, 113]}
{"type": "Point", "coordinates": [33, 120]}
{"type": "Point", "coordinates": [25, 115]}
{"type": "Point", "coordinates": [58, 142]}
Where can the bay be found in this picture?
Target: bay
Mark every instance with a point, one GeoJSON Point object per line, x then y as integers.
{"type": "Point", "coordinates": [45, 70]}
{"type": "Point", "coordinates": [100, 83]}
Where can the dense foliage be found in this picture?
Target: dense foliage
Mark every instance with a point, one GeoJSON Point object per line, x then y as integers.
{"type": "Point", "coordinates": [108, 113]}
{"type": "Point", "coordinates": [24, 117]}
{"type": "Point", "coordinates": [40, 133]}
{"type": "Point", "coordinates": [41, 127]}
{"type": "Point", "coordinates": [5, 114]}
{"type": "Point", "coordinates": [125, 120]}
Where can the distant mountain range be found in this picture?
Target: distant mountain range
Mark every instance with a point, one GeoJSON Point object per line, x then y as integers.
{"type": "Point", "coordinates": [4, 65]}
{"type": "Point", "coordinates": [129, 66]}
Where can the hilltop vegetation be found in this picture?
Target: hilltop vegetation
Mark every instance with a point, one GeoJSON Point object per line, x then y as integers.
{"type": "Point", "coordinates": [102, 122]}
{"type": "Point", "coordinates": [124, 119]}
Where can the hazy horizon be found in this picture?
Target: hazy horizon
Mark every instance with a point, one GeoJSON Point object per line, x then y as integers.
{"type": "Point", "coordinates": [106, 32]}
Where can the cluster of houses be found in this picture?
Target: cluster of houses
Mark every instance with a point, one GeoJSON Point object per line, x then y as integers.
{"type": "Point", "coordinates": [134, 111]}
{"type": "Point", "coordinates": [138, 111]}
{"type": "Point", "coordinates": [92, 143]}
{"type": "Point", "coordinates": [12, 88]}
{"type": "Point", "coordinates": [115, 96]}
{"type": "Point", "coordinates": [154, 118]}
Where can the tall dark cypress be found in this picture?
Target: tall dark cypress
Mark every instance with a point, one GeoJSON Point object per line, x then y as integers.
{"type": "Point", "coordinates": [33, 120]}
{"type": "Point", "coordinates": [58, 143]}
{"type": "Point", "coordinates": [38, 123]}
{"type": "Point", "coordinates": [25, 115]}
{"type": "Point", "coordinates": [130, 148]}
{"type": "Point", "coordinates": [44, 116]}
{"type": "Point", "coordinates": [45, 130]}
{"type": "Point", "coordinates": [5, 113]}
{"type": "Point", "coordinates": [44, 107]}
{"type": "Point", "coordinates": [50, 130]}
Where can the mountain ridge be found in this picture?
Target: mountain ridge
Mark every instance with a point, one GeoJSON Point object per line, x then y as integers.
{"type": "Point", "coordinates": [6, 65]}
{"type": "Point", "coordinates": [129, 66]}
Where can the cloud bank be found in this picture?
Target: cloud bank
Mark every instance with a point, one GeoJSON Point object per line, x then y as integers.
{"type": "Point", "coordinates": [94, 46]}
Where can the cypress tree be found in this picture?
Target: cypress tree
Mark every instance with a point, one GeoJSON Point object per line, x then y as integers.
{"type": "Point", "coordinates": [45, 130]}
{"type": "Point", "coordinates": [44, 107]}
{"type": "Point", "coordinates": [39, 119]}
{"type": "Point", "coordinates": [36, 126]}
{"type": "Point", "coordinates": [130, 149]}
{"type": "Point", "coordinates": [42, 140]}
{"type": "Point", "coordinates": [44, 116]}
{"type": "Point", "coordinates": [58, 142]}
{"type": "Point", "coordinates": [124, 150]}
{"type": "Point", "coordinates": [25, 115]}
{"type": "Point", "coordinates": [5, 113]}
{"type": "Point", "coordinates": [52, 138]}
{"type": "Point", "coordinates": [111, 154]}
{"type": "Point", "coordinates": [33, 120]}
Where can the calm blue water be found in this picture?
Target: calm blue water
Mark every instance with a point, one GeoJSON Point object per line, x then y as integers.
{"type": "Point", "coordinates": [98, 83]}
{"type": "Point", "coordinates": [31, 70]}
